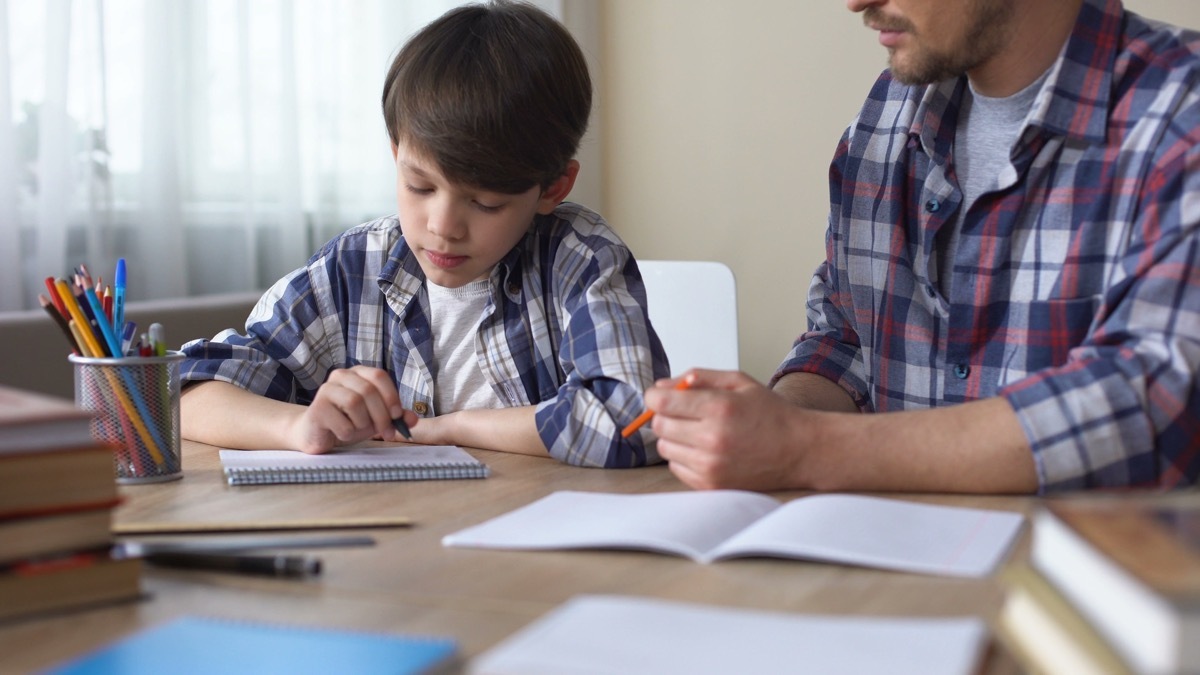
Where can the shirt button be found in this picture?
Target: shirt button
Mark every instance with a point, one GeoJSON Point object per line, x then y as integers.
{"type": "Point", "coordinates": [961, 371]}
{"type": "Point", "coordinates": [929, 290]}
{"type": "Point", "coordinates": [933, 206]}
{"type": "Point", "coordinates": [421, 408]}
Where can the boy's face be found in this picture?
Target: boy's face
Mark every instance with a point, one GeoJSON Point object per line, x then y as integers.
{"type": "Point", "coordinates": [458, 233]}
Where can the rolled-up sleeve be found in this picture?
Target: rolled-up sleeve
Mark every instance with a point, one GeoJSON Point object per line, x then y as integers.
{"type": "Point", "coordinates": [609, 355]}
{"type": "Point", "coordinates": [1124, 410]}
{"type": "Point", "coordinates": [285, 352]}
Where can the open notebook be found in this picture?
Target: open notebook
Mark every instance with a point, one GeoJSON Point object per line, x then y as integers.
{"type": "Point", "coordinates": [719, 524]}
{"type": "Point", "coordinates": [635, 636]}
{"type": "Point", "coordinates": [361, 464]}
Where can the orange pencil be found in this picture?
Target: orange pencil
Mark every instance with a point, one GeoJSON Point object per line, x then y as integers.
{"type": "Point", "coordinates": [628, 431]}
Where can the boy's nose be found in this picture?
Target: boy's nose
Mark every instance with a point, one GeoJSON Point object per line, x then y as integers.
{"type": "Point", "coordinates": [446, 222]}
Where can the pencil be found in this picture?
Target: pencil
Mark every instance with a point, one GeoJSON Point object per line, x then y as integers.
{"type": "Point", "coordinates": [628, 431]}
{"type": "Point", "coordinates": [400, 426]}
{"type": "Point", "coordinates": [59, 321]}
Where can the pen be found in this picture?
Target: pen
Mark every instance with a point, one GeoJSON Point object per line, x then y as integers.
{"type": "Point", "coordinates": [400, 426]}
{"type": "Point", "coordinates": [269, 565]}
{"type": "Point", "coordinates": [628, 431]}
{"type": "Point", "coordinates": [119, 295]}
{"type": "Point", "coordinates": [127, 337]}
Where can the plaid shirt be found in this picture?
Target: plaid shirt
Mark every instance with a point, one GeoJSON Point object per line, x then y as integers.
{"type": "Point", "coordinates": [1075, 292]}
{"type": "Point", "coordinates": [566, 329]}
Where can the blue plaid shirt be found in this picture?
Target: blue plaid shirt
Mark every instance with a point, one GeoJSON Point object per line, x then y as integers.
{"type": "Point", "coordinates": [566, 329]}
{"type": "Point", "coordinates": [1075, 292]}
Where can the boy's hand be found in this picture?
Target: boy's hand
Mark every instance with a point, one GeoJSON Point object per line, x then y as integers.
{"type": "Point", "coordinates": [353, 405]}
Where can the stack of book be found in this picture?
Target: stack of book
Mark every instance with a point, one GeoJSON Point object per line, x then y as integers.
{"type": "Point", "coordinates": [57, 493]}
{"type": "Point", "coordinates": [1113, 586]}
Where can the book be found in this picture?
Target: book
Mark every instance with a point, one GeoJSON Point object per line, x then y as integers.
{"type": "Point", "coordinates": [56, 531]}
{"type": "Point", "coordinates": [719, 524]}
{"type": "Point", "coordinates": [202, 645]}
{"type": "Point", "coordinates": [68, 582]}
{"type": "Point", "coordinates": [30, 421]}
{"type": "Point", "coordinates": [1046, 633]}
{"type": "Point", "coordinates": [1131, 568]}
{"type": "Point", "coordinates": [351, 465]}
{"type": "Point", "coordinates": [30, 483]}
{"type": "Point", "coordinates": [616, 634]}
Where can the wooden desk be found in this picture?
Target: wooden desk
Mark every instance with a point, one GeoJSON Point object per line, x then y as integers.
{"type": "Point", "coordinates": [409, 583]}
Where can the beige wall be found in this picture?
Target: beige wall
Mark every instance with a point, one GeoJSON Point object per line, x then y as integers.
{"type": "Point", "coordinates": [719, 120]}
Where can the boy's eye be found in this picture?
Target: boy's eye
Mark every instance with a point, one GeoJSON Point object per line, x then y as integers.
{"type": "Point", "coordinates": [418, 190]}
{"type": "Point", "coordinates": [486, 208]}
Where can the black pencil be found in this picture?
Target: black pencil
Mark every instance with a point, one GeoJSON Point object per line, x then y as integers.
{"type": "Point", "coordinates": [60, 321]}
{"type": "Point", "coordinates": [400, 426]}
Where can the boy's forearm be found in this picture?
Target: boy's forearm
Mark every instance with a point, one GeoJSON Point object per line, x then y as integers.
{"type": "Point", "coordinates": [225, 415]}
{"type": "Point", "coordinates": [506, 429]}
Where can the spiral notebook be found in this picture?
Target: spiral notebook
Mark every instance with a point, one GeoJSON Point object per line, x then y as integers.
{"type": "Point", "coordinates": [360, 464]}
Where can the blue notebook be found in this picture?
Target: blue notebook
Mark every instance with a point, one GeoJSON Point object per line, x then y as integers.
{"type": "Point", "coordinates": [201, 645]}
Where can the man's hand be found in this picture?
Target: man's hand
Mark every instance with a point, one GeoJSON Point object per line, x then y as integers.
{"type": "Point", "coordinates": [727, 430]}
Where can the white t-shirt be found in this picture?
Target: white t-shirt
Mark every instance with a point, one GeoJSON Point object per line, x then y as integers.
{"type": "Point", "coordinates": [454, 315]}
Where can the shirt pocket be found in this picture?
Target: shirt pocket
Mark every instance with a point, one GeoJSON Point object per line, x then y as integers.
{"type": "Point", "coordinates": [1040, 334]}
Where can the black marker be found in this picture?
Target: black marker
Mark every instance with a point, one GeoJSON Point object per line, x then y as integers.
{"type": "Point", "coordinates": [269, 565]}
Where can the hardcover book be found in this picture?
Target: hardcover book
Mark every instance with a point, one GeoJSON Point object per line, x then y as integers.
{"type": "Point", "coordinates": [1132, 569]}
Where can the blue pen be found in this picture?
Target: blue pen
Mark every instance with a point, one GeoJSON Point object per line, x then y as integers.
{"type": "Point", "coordinates": [119, 296]}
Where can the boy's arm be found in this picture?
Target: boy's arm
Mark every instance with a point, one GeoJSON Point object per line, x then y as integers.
{"type": "Point", "coordinates": [353, 405]}
{"type": "Point", "coordinates": [506, 429]}
{"type": "Point", "coordinates": [225, 415]}
{"type": "Point", "coordinates": [610, 355]}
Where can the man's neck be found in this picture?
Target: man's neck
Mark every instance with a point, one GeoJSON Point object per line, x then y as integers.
{"type": "Point", "coordinates": [1039, 31]}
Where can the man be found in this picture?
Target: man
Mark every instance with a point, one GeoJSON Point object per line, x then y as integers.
{"type": "Point", "coordinates": [1012, 279]}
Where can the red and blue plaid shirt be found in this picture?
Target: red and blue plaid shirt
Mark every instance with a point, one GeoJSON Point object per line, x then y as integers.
{"type": "Point", "coordinates": [1075, 289]}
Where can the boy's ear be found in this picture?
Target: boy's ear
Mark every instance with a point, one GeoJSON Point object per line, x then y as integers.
{"type": "Point", "coordinates": [395, 150]}
{"type": "Point", "coordinates": [554, 195]}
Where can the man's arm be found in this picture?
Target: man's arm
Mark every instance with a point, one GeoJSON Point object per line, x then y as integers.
{"type": "Point", "coordinates": [729, 431]}
{"type": "Point", "coordinates": [814, 392]}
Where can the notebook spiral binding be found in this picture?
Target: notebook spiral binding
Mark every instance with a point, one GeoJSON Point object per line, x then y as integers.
{"type": "Point", "coordinates": [360, 474]}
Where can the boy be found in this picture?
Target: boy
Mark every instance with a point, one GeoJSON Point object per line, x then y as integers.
{"type": "Point", "coordinates": [488, 312]}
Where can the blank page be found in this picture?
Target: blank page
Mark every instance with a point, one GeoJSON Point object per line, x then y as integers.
{"type": "Point", "coordinates": [885, 533]}
{"type": "Point", "coordinates": [684, 523]}
{"type": "Point", "coordinates": [615, 634]}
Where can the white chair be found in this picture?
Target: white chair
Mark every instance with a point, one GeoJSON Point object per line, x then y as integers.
{"type": "Point", "coordinates": [693, 308]}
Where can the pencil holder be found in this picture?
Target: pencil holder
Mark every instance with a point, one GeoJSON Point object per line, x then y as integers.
{"type": "Point", "coordinates": [136, 401]}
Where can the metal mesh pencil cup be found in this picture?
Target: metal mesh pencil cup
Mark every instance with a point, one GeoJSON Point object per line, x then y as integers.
{"type": "Point", "coordinates": [136, 401]}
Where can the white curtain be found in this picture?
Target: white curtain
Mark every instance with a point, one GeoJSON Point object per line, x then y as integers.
{"type": "Point", "coordinates": [212, 143]}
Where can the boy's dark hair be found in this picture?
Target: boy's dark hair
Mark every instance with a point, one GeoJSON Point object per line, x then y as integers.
{"type": "Point", "coordinates": [497, 95]}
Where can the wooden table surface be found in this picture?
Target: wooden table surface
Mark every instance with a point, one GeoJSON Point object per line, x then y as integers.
{"type": "Point", "coordinates": [409, 583]}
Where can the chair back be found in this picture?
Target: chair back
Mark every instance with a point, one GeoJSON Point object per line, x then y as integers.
{"type": "Point", "coordinates": [693, 308]}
